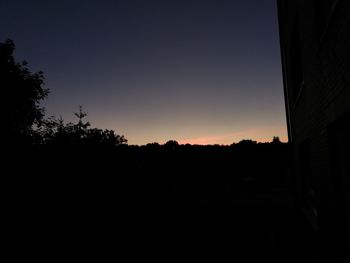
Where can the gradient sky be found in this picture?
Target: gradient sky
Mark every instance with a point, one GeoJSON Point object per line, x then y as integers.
{"type": "Point", "coordinates": [196, 71]}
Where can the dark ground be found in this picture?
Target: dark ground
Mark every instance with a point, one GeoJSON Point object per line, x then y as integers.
{"type": "Point", "coordinates": [160, 209]}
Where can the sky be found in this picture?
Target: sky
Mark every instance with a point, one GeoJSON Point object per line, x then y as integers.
{"type": "Point", "coordinates": [195, 71]}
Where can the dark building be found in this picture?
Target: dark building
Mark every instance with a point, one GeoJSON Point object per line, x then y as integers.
{"type": "Point", "coordinates": [315, 48]}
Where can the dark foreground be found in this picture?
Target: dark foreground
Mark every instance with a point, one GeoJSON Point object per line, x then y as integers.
{"type": "Point", "coordinates": [134, 212]}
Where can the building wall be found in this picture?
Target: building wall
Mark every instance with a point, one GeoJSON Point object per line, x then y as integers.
{"type": "Point", "coordinates": [315, 46]}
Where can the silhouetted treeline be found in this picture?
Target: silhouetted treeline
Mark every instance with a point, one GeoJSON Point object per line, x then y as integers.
{"type": "Point", "coordinates": [214, 164]}
{"type": "Point", "coordinates": [50, 150]}
{"type": "Point", "coordinates": [84, 185]}
{"type": "Point", "coordinates": [29, 134]}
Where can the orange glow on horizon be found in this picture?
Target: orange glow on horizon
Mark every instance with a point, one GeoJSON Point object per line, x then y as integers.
{"type": "Point", "coordinates": [259, 135]}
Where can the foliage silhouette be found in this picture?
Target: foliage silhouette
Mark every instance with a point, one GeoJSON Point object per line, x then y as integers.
{"type": "Point", "coordinates": [247, 142]}
{"type": "Point", "coordinates": [56, 132]}
{"type": "Point", "coordinates": [25, 122]}
{"type": "Point", "coordinates": [171, 144]}
{"type": "Point", "coordinates": [276, 140]}
{"type": "Point", "coordinates": [25, 90]}
{"type": "Point", "coordinates": [81, 127]}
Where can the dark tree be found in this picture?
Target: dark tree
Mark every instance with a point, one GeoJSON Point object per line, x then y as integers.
{"type": "Point", "coordinates": [104, 137]}
{"type": "Point", "coordinates": [81, 127]}
{"type": "Point", "coordinates": [171, 144]}
{"type": "Point", "coordinates": [247, 142]}
{"type": "Point", "coordinates": [24, 91]}
{"type": "Point", "coordinates": [153, 145]}
{"type": "Point", "coordinates": [276, 140]}
{"type": "Point", "coordinates": [55, 131]}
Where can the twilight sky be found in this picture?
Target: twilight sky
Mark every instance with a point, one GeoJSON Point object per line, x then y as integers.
{"type": "Point", "coordinates": [196, 71]}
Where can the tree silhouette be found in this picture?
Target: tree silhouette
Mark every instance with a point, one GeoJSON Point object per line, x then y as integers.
{"type": "Point", "coordinates": [276, 140]}
{"type": "Point", "coordinates": [25, 91]}
{"type": "Point", "coordinates": [171, 144]}
{"type": "Point", "coordinates": [153, 145]}
{"type": "Point", "coordinates": [55, 131]}
{"type": "Point", "coordinates": [247, 142]}
{"type": "Point", "coordinates": [104, 137]}
{"type": "Point", "coordinates": [81, 127]}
